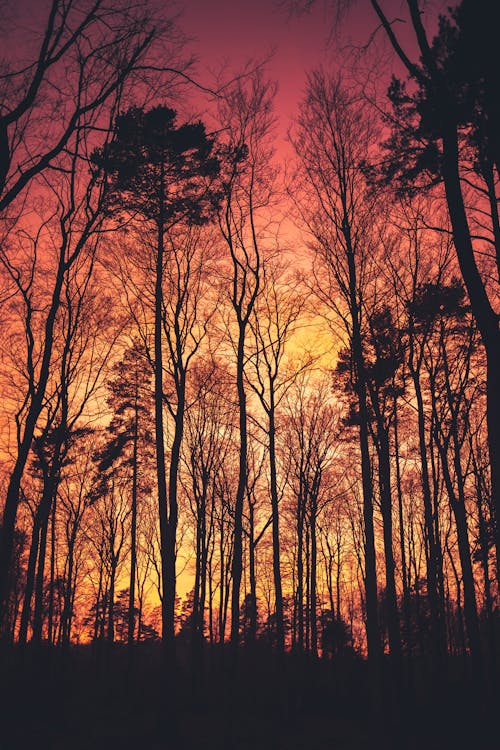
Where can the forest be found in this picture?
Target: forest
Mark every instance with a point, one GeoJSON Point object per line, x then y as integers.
{"type": "Point", "coordinates": [250, 392]}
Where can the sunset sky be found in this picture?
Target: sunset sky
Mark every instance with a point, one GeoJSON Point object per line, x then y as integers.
{"type": "Point", "coordinates": [226, 34]}
{"type": "Point", "coordinates": [249, 374]}
{"type": "Point", "coordinates": [230, 33]}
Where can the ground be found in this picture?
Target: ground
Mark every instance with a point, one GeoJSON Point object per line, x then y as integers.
{"type": "Point", "coordinates": [83, 699]}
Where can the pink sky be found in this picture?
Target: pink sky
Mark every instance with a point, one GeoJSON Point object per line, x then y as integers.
{"type": "Point", "coordinates": [235, 31]}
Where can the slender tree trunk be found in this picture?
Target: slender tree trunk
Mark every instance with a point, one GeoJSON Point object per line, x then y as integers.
{"type": "Point", "coordinates": [159, 431]}
{"type": "Point", "coordinates": [38, 614]}
{"type": "Point", "coordinates": [111, 604]}
{"type": "Point", "coordinates": [280, 628]}
{"type": "Point", "coordinates": [170, 568]}
{"type": "Point", "coordinates": [371, 594]}
{"type": "Point", "coordinates": [50, 618]}
{"type": "Point", "coordinates": [133, 523]}
{"type": "Point", "coordinates": [484, 556]}
{"type": "Point", "coordinates": [210, 601]}
{"type": "Point", "coordinates": [300, 574]}
{"type": "Point", "coordinates": [314, 601]}
{"type": "Point", "coordinates": [222, 581]}
{"type": "Point", "coordinates": [253, 580]}
{"type": "Point", "coordinates": [402, 545]}
{"type": "Point", "coordinates": [98, 603]}
{"type": "Point", "coordinates": [237, 564]}
{"type": "Point", "coordinates": [438, 635]}
{"type": "Point", "coordinates": [30, 577]}
{"type": "Point", "coordinates": [329, 576]}
{"type": "Point", "coordinates": [197, 573]}
{"type": "Point", "coordinates": [7, 528]}
{"type": "Point", "coordinates": [68, 595]}
{"type": "Point", "coordinates": [307, 578]}
{"type": "Point", "coordinates": [384, 471]}
{"type": "Point", "coordinates": [338, 573]}
{"type": "Point", "coordinates": [458, 507]}
{"type": "Point", "coordinates": [204, 570]}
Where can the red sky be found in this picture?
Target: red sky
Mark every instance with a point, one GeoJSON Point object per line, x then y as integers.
{"type": "Point", "coordinates": [234, 31]}
{"type": "Point", "coordinates": [238, 30]}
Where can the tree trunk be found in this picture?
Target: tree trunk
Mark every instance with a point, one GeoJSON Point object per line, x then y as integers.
{"type": "Point", "coordinates": [280, 628]}
{"type": "Point", "coordinates": [402, 545]}
{"type": "Point", "coordinates": [170, 568]}
{"type": "Point", "coordinates": [371, 593]}
{"type": "Point", "coordinates": [7, 528]}
{"type": "Point", "coordinates": [50, 618]}
{"type": "Point", "coordinates": [384, 470]}
{"type": "Point", "coordinates": [159, 432]}
{"type": "Point", "coordinates": [30, 577]}
{"type": "Point", "coordinates": [133, 523]}
{"type": "Point", "coordinates": [38, 614]}
{"type": "Point", "coordinates": [486, 318]}
{"type": "Point", "coordinates": [438, 635]}
{"type": "Point", "coordinates": [314, 601]}
{"type": "Point", "coordinates": [237, 564]}
{"type": "Point", "coordinates": [300, 574]}
{"type": "Point", "coordinates": [68, 595]}
{"type": "Point", "coordinates": [111, 604]}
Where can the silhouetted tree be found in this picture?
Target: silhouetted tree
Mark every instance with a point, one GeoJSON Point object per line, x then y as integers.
{"type": "Point", "coordinates": [160, 174]}
{"type": "Point", "coordinates": [332, 142]}
{"type": "Point", "coordinates": [246, 116]}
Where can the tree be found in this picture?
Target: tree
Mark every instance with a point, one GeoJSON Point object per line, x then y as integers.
{"type": "Point", "coordinates": [81, 61]}
{"type": "Point", "coordinates": [160, 175]}
{"type": "Point", "coordinates": [246, 116]}
{"type": "Point", "coordinates": [208, 443]}
{"type": "Point", "coordinates": [84, 335]}
{"type": "Point", "coordinates": [446, 131]}
{"type": "Point", "coordinates": [382, 365]}
{"type": "Point", "coordinates": [311, 430]}
{"type": "Point", "coordinates": [445, 125]}
{"type": "Point", "coordinates": [442, 307]}
{"type": "Point", "coordinates": [332, 142]}
{"type": "Point", "coordinates": [70, 238]}
{"type": "Point", "coordinates": [129, 436]}
{"type": "Point", "coordinates": [274, 319]}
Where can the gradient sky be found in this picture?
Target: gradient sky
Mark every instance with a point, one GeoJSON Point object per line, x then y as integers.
{"type": "Point", "coordinates": [234, 31]}
{"type": "Point", "coordinates": [238, 30]}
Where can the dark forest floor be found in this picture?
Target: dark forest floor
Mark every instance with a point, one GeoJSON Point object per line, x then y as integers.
{"type": "Point", "coordinates": [81, 700]}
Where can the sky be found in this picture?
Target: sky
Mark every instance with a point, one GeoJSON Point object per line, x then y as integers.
{"type": "Point", "coordinates": [229, 33]}
{"type": "Point", "coordinates": [238, 31]}
{"type": "Point", "coordinates": [233, 32]}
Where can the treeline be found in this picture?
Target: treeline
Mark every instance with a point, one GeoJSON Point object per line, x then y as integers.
{"type": "Point", "coordinates": [301, 440]}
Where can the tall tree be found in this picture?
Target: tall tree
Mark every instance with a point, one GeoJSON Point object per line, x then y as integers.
{"type": "Point", "coordinates": [446, 131]}
{"type": "Point", "coordinates": [160, 175]}
{"type": "Point", "coordinates": [129, 437]}
{"type": "Point", "coordinates": [332, 141]}
{"type": "Point", "coordinates": [246, 116]}
{"type": "Point", "coordinates": [70, 236]}
{"type": "Point", "coordinates": [275, 318]}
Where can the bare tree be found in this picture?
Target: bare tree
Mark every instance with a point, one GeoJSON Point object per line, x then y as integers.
{"type": "Point", "coordinates": [71, 234]}
{"type": "Point", "coordinates": [332, 142]}
{"type": "Point", "coordinates": [246, 118]}
{"type": "Point", "coordinates": [80, 63]}
{"type": "Point", "coordinates": [274, 320]}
